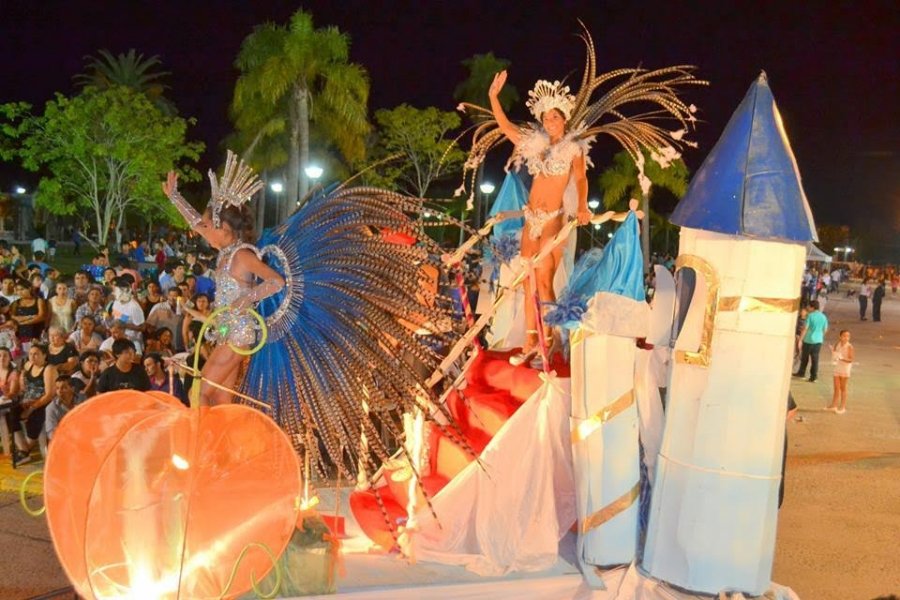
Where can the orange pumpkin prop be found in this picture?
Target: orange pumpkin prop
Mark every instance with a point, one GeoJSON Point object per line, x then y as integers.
{"type": "Point", "coordinates": [148, 499]}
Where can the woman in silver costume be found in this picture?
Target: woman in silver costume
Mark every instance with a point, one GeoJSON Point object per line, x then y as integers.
{"type": "Point", "coordinates": [555, 148]}
{"type": "Point", "coordinates": [553, 156]}
{"type": "Point", "coordinates": [242, 278]}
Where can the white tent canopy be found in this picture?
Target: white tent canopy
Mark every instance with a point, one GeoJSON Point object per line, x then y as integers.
{"type": "Point", "coordinates": [814, 254]}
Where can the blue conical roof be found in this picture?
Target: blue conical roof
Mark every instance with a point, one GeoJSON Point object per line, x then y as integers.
{"type": "Point", "coordinates": [749, 184]}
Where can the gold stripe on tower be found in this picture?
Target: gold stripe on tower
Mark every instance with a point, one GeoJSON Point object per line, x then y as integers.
{"type": "Point", "coordinates": [586, 428]}
{"type": "Point", "coordinates": [755, 304]}
{"type": "Point", "coordinates": [612, 509]}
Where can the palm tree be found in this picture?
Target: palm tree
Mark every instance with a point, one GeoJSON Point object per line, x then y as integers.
{"type": "Point", "coordinates": [620, 183]}
{"type": "Point", "coordinates": [302, 75]}
{"type": "Point", "coordinates": [131, 70]}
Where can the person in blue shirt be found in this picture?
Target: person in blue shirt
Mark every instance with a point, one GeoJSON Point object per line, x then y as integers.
{"type": "Point", "coordinates": [811, 338]}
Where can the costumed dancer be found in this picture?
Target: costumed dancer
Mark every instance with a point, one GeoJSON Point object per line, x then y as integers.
{"type": "Point", "coordinates": [242, 278]}
{"type": "Point", "coordinates": [555, 149]}
{"type": "Point", "coordinates": [346, 311]}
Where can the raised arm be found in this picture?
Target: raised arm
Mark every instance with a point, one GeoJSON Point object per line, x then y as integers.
{"type": "Point", "coordinates": [509, 130]}
{"type": "Point", "coordinates": [170, 189]}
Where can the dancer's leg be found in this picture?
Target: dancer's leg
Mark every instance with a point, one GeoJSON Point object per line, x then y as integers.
{"type": "Point", "coordinates": [221, 367]}
{"type": "Point", "coordinates": [836, 396]}
{"type": "Point", "coordinates": [529, 249]}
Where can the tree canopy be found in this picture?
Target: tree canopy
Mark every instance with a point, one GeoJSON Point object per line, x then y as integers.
{"type": "Point", "coordinates": [295, 75]}
{"type": "Point", "coordinates": [103, 153]}
{"type": "Point", "coordinates": [418, 138]}
{"type": "Point", "coordinates": [129, 69]}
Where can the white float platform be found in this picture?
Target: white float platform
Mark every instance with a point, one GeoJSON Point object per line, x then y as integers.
{"type": "Point", "coordinates": [377, 576]}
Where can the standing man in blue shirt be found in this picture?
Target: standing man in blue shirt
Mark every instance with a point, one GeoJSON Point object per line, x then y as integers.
{"type": "Point", "coordinates": [812, 336]}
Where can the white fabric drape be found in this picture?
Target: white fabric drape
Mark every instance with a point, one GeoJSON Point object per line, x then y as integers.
{"type": "Point", "coordinates": [509, 512]}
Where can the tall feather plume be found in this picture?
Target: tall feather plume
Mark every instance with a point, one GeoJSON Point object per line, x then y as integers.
{"type": "Point", "coordinates": [653, 92]}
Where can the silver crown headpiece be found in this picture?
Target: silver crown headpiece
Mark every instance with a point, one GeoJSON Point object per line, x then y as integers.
{"type": "Point", "coordinates": [546, 96]}
{"type": "Point", "coordinates": [237, 186]}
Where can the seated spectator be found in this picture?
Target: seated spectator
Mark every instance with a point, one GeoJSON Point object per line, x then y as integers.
{"type": "Point", "coordinates": [124, 267]}
{"type": "Point", "coordinates": [40, 264]}
{"type": "Point", "coordinates": [61, 354]}
{"type": "Point", "coordinates": [79, 291]}
{"type": "Point", "coordinates": [9, 338]}
{"type": "Point", "coordinates": [161, 380]}
{"type": "Point", "coordinates": [116, 332]}
{"type": "Point", "coordinates": [201, 310]}
{"type": "Point", "coordinates": [94, 308]}
{"type": "Point", "coordinates": [160, 342]}
{"type": "Point", "coordinates": [36, 382]}
{"type": "Point", "coordinates": [124, 373]}
{"type": "Point", "coordinates": [172, 276]}
{"type": "Point", "coordinates": [48, 286]}
{"type": "Point", "coordinates": [151, 297]}
{"type": "Point", "coordinates": [8, 288]}
{"type": "Point", "coordinates": [62, 308]}
{"type": "Point", "coordinates": [109, 280]}
{"type": "Point", "coordinates": [65, 400]}
{"type": "Point", "coordinates": [168, 314]}
{"type": "Point", "coordinates": [127, 310]}
{"type": "Point", "coordinates": [205, 284]}
{"type": "Point", "coordinates": [37, 284]}
{"type": "Point", "coordinates": [85, 378]}
{"type": "Point", "coordinates": [86, 336]}
{"type": "Point", "coordinates": [29, 312]}
{"type": "Point", "coordinates": [9, 375]}
{"type": "Point", "coordinates": [16, 262]}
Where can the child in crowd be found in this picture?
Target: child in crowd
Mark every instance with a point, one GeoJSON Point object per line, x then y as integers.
{"type": "Point", "coordinates": [842, 358]}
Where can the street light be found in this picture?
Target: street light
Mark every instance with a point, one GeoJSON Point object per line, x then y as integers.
{"type": "Point", "coordinates": [313, 172]}
{"type": "Point", "coordinates": [487, 188]}
{"type": "Point", "coordinates": [593, 204]}
{"type": "Point", "coordinates": [277, 187]}
{"type": "Point", "coordinates": [20, 189]}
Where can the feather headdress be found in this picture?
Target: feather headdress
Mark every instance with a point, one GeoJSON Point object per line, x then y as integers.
{"type": "Point", "coordinates": [237, 186]}
{"type": "Point", "coordinates": [633, 109]}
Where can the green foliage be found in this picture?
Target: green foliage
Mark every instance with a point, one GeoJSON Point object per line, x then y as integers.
{"type": "Point", "coordinates": [418, 136]}
{"type": "Point", "coordinates": [104, 153]}
{"type": "Point", "coordinates": [482, 68]}
{"type": "Point", "coordinates": [131, 70]}
{"type": "Point", "coordinates": [619, 182]}
{"type": "Point", "coordinates": [295, 76]}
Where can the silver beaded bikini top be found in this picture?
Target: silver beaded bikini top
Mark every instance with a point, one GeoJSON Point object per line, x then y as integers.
{"type": "Point", "coordinates": [535, 151]}
{"type": "Point", "coordinates": [228, 289]}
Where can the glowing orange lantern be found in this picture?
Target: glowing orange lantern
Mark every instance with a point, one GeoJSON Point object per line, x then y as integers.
{"type": "Point", "coordinates": [148, 499]}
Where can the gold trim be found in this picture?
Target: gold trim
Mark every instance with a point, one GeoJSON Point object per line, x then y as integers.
{"type": "Point", "coordinates": [612, 509]}
{"type": "Point", "coordinates": [578, 336]}
{"type": "Point", "coordinates": [756, 304]}
{"type": "Point", "coordinates": [589, 426]}
{"type": "Point", "coordinates": [701, 356]}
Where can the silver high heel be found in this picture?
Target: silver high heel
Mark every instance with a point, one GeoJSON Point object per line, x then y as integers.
{"type": "Point", "coordinates": [520, 358]}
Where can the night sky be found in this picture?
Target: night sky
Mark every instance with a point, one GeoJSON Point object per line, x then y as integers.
{"type": "Point", "coordinates": [833, 66]}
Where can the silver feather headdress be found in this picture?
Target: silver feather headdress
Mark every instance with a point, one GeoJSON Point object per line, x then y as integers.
{"type": "Point", "coordinates": [237, 186]}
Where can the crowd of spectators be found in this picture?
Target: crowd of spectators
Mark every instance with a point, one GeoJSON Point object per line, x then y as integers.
{"type": "Point", "coordinates": [112, 325]}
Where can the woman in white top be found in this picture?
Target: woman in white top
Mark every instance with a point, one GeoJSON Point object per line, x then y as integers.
{"type": "Point", "coordinates": [62, 309]}
{"type": "Point", "coordinates": [842, 353]}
